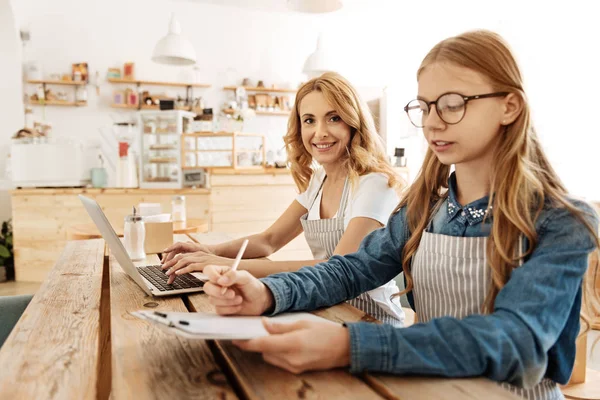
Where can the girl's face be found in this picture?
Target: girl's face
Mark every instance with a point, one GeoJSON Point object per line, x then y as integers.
{"type": "Point", "coordinates": [324, 134]}
{"type": "Point", "coordinates": [474, 138]}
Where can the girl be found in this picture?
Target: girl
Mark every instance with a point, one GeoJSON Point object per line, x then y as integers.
{"type": "Point", "coordinates": [351, 196]}
{"type": "Point", "coordinates": [493, 254]}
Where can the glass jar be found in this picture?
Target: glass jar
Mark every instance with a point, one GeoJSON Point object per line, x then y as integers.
{"type": "Point", "coordinates": [178, 209]}
{"type": "Point", "coordinates": [134, 234]}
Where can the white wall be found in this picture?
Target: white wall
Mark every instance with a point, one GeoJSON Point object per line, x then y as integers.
{"type": "Point", "coordinates": [11, 110]}
{"type": "Point", "coordinates": [376, 43]}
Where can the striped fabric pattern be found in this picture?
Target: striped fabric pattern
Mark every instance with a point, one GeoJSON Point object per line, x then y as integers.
{"type": "Point", "coordinates": [451, 278]}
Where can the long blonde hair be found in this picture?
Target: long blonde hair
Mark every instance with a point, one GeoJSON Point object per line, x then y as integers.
{"type": "Point", "coordinates": [521, 181]}
{"type": "Point", "coordinates": [365, 152]}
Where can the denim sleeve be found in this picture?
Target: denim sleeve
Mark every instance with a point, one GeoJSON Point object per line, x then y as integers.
{"type": "Point", "coordinates": [512, 343]}
{"type": "Point", "coordinates": [377, 261]}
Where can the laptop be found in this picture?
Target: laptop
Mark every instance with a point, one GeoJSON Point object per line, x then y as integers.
{"type": "Point", "coordinates": [150, 278]}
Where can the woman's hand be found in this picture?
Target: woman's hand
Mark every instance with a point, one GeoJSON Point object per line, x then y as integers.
{"type": "Point", "coordinates": [244, 294]}
{"type": "Point", "coordinates": [192, 262]}
{"type": "Point", "coordinates": [182, 247]}
{"type": "Point", "coordinates": [302, 346]}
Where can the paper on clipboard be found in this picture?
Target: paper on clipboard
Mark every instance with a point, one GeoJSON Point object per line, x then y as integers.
{"type": "Point", "coordinates": [212, 326]}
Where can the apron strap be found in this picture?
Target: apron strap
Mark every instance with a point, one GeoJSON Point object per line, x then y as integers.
{"type": "Point", "coordinates": [317, 194]}
{"type": "Point", "coordinates": [344, 200]}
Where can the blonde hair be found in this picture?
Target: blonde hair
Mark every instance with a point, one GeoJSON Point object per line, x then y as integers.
{"type": "Point", "coordinates": [365, 152]}
{"type": "Point", "coordinates": [521, 181]}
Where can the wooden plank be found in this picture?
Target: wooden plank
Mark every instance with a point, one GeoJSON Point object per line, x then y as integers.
{"type": "Point", "coordinates": [53, 352]}
{"type": "Point", "coordinates": [157, 83]}
{"type": "Point", "coordinates": [148, 363]}
{"type": "Point", "coordinates": [56, 82]}
{"type": "Point", "coordinates": [262, 89]}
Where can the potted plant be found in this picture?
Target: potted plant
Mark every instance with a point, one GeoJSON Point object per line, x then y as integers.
{"type": "Point", "coordinates": [7, 260]}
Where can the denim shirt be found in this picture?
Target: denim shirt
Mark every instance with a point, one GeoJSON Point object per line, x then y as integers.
{"type": "Point", "coordinates": [529, 335]}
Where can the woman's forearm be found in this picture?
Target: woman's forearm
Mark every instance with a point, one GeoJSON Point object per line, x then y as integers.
{"type": "Point", "coordinates": [262, 268]}
{"type": "Point", "coordinates": [258, 246]}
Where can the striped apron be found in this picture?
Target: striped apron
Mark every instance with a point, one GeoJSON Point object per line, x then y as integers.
{"type": "Point", "coordinates": [323, 235]}
{"type": "Point", "coordinates": [451, 278]}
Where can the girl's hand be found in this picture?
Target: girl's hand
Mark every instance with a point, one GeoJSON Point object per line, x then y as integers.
{"type": "Point", "coordinates": [245, 294]}
{"type": "Point", "coordinates": [180, 247]}
{"type": "Point", "coordinates": [302, 346]}
{"type": "Point", "coordinates": [192, 262]}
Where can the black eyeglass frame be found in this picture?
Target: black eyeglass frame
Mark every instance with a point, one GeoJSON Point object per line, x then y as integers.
{"type": "Point", "coordinates": [466, 99]}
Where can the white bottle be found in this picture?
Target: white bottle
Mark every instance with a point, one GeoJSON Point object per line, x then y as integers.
{"type": "Point", "coordinates": [134, 235]}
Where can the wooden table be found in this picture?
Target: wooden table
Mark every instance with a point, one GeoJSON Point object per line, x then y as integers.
{"type": "Point", "coordinates": [76, 340]}
{"type": "Point", "coordinates": [89, 231]}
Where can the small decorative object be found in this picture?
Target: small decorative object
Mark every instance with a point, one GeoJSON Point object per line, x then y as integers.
{"type": "Point", "coordinates": [62, 95]}
{"type": "Point", "coordinates": [271, 101]}
{"type": "Point", "coordinates": [97, 82]}
{"type": "Point", "coordinates": [55, 77]}
{"type": "Point", "coordinates": [246, 82]}
{"type": "Point", "coordinates": [261, 101]}
{"type": "Point", "coordinates": [81, 94]}
{"type": "Point", "coordinates": [33, 71]}
{"type": "Point", "coordinates": [98, 174]}
{"type": "Point", "coordinates": [132, 98]}
{"type": "Point", "coordinates": [80, 72]}
{"type": "Point", "coordinates": [128, 71]}
{"type": "Point", "coordinates": [118, 97]}
{"type": "Point", "coordinates": [252, 101]}
{"type": "Point", "coordinates": [260, 84]}
{"type": "Point", "coordinates": [114, 73]}
{"type": "Point", "coordinates": [400, 158]}
{"type": "Point", "coordinates": [66, 78]}
{"type": "Point", "coordinates": [41, 95]}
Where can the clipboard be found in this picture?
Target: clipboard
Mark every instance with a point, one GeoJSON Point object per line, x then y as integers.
{"type": "Point", "coordinates": [206, 326]}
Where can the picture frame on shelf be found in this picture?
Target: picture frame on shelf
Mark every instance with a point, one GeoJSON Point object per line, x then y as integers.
{"type": "Point", "coordinates": [80, 72]}
{"type": "Point", "coordinates": [118, 97]}
{"type": "Point", "coordinates": [113, 73]}
{"type": "Point", "coordinates": [129, 71]}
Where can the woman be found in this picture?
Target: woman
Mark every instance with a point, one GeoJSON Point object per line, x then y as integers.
{"type": "Point", "coordinates": [352, 194]}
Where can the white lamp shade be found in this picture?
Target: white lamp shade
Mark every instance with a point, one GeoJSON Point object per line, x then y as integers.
{"type": "Point", "coordinates": [318, 62]}
{"type": "Point", "coordinates": [315, 6]}
{"type": "Point", "coordinates": [174, 49]}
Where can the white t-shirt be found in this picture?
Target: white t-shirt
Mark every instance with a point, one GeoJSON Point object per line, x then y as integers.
{"type": "Point", "coordinates": [372, 198]}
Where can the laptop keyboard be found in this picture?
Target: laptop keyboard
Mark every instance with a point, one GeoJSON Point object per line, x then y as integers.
{"type": "Point", "coordinates": [157, 276]}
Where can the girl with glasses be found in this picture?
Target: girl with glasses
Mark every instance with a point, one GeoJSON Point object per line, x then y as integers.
{"type": "Point", "coordinates": [493, 254]}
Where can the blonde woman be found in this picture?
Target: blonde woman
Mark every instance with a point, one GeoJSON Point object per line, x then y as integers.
{"type": "Point", "coordinates": [494, 253]}
{"type": "Point", "coordinates": [349, 197]}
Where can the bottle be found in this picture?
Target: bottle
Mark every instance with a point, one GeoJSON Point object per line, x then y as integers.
{"type": "Point", "coordinates": [400, 159]}
{"type": "Point", "coordinates": [134, 235]}
{"type": "Point", "coordinates": [178, 209]}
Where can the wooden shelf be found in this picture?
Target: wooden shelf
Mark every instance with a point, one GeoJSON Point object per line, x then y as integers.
{"type": "Point", "coordinates": [44, 82]}
{"type": "Point", "coordinates": [59, 103]}
{"type": "Point", "coordinates": [163, 147]}
{"type": "Point", "coordinates": [262, 89]}
{"type": "Point", "coordinates": [220, 134]}
{"type": "Point", "coordinates": [129, 106]}
{"type": "Point", "coordinates": [162, 161]}
{"type": "Point", "coordinates": [278, 112]}
{"type": "Point", "coordinates": [157, 83]}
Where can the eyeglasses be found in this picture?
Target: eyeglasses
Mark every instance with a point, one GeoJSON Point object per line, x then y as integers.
{"type": "Point", "coordinates": [450, 107]}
